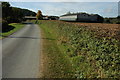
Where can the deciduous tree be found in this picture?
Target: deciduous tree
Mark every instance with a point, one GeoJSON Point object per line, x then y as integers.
{"type": "Point", "coordinates": [39, 15]}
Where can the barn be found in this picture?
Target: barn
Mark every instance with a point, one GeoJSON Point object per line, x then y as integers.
{"type": "Point", "coordinates": [30, 18]}
{"type": "Point", "coordinates": [82, 17]}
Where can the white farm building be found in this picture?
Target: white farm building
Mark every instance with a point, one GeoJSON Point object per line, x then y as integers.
{"type": "Point", "coordinates": [82, 17]}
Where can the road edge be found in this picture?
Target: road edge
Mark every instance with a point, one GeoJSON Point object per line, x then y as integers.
{"type": "Point", "coordinates": [40, 74]}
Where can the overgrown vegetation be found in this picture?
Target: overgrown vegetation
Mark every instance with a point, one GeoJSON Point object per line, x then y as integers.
{"type": "Point", "coordinates": [91, 56]}
{"type": "Point", "coordinates": [115, 20]}
{"type": "Point", "coordinates": [56, 63]}
{"type": "Point", "coordinates": [13, 15]}
{"type": "Point", "coordinates": [13, 27]}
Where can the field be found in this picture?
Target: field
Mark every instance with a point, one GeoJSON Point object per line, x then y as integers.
{"type": "Point", "coordinates": [111, 30]}
{"type": "Point", "coordinates": [82, 50]}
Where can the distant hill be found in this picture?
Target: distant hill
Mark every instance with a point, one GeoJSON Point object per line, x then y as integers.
{"type": "Point", "coordinates": [25, 12]}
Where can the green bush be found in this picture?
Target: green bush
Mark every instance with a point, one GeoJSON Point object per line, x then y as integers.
{"type": "Point", "coordinates": [6, 27]}
{"type": "Point", "coordinates": [4, 23]}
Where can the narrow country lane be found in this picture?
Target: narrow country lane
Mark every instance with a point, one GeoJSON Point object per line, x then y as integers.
{"type": "Point", "coordinates": [21, 53]}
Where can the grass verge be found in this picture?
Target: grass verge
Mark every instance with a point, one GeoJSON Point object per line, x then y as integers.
{"type": "Point", "coordinates": [56, 64]}
{"type": "Point", "coordinates": [16, 27]}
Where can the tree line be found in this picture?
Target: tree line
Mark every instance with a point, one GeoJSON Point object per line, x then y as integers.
{"type": "Point", "coordinates": [13, 14]}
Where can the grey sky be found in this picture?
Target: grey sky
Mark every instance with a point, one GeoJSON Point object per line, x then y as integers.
{"type": "Point", "coordinates": [106, 9]}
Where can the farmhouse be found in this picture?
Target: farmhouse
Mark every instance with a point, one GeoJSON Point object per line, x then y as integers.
{"type": "Point", "coordinates": [82, 17]}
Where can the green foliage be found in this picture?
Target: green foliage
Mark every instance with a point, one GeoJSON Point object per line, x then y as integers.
{"type": "Point", "coordinates": [91, 56]}
{"type": "Point", "coordinates": [27, 12]}
{"type": "Point", "coordinates": [13, 15]}
{"type": "Point", "coordinates": [6, 10]}
{"type": "Point", "coordinates": [58, 65]}
{"type": "Point", "coordinates": [18, 14]}
{"type": "Point", "coordinates": [4, 23]}
{"type": "Point", "coordinates": [39, 15]}
{"type": "Point", "coordinates": [112, 20]}
{"type": "Point", "coordinates": [13, 27]}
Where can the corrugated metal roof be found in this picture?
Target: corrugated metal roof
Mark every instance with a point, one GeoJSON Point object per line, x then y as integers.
{"type": "Point", "coordinates": [80, 14]}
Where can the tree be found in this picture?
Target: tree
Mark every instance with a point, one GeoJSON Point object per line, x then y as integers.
{"type": "Point", "coordinates": [17, 15]}
{"type": "Point", "coordinates": [39, 15]}
{"type": "Point", "coordinates": [118, 17]}
{"type": "Point", "coordinates": [6, 10]}
{"type": "Point", "coordinates": [68, 12]}
{"type": "Point", "coordinates": [14, 14]}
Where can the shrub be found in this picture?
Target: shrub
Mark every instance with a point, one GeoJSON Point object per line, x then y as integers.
{"type": "Point", "coordinates": [4, 24]}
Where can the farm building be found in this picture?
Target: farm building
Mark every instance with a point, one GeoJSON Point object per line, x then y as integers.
{"type": "Point", "coordinates": [53, 17]}
{"type": "Point", "coordinates": [30, 18]}
{"type": "Point", "coordinates": [50, 17]}
{"type": "Point", "coordinates": [43, 18]}
{"type": "Point", "coordinates": [82, 17]}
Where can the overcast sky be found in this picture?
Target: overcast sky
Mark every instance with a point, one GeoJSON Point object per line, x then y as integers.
{"type": "Point", "coordinates": [106, 8]}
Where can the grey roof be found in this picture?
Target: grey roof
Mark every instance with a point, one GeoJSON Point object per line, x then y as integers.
{"type": "Point", "coordinates": [79, 13]}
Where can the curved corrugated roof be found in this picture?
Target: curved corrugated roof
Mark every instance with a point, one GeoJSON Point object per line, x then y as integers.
{"type": "Point", "coordinates": [79, 13]}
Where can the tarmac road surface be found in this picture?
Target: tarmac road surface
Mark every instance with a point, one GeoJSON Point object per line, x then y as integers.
{"type": "Point", "coordinates": [21, 53]}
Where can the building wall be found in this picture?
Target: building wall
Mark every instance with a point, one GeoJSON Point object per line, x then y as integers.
{"type": "Point", "coordinates": [68, 18]}
{"type": "Point", "coordinates": [80, 17]}
{"type": "Point", "coordinates": [84, 17]}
